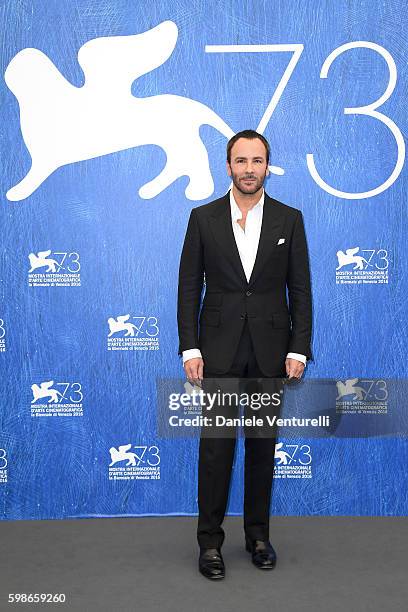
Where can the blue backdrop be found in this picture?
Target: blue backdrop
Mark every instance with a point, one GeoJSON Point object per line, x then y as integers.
{"type": "Point", "coordinates": [91, 240]}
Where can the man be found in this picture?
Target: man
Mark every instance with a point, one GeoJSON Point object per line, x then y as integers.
{"type": "Point", "coordinates": [251, 250]}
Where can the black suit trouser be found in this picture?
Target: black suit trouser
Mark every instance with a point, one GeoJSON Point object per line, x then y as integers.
{"type": "Point", "coordinates": [217, 447]}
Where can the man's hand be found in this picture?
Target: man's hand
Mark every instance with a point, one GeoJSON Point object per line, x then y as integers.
{"type": "Point", "coordinates": [194, 369]}
{"type": "Point", "coordinates": [294, 368]}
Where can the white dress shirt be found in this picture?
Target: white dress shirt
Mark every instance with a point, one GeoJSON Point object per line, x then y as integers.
{"type": "Point", "coordinates": [247, 243]}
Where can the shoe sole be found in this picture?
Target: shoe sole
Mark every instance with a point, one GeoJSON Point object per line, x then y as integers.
{"type": "Point", "coordinates": [216, 577]}
{"type": "Point", "coordinates": [261, 567]}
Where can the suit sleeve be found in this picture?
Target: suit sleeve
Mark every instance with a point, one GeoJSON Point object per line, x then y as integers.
{"type": "Point", "coordinates": [190, 285]}
{"type": "Point", "coordinates": [299, 291]}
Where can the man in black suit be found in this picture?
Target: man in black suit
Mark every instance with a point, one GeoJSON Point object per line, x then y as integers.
{"type": "Point", "coordinates": [251, 252]}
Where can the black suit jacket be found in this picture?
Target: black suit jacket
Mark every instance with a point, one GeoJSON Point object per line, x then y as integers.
{"type": "Point", "coordinates": [276, 300]}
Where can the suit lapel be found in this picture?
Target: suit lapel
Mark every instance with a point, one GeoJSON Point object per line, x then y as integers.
{"type": "Point", "coordinates": [221, 227]}
{"type": "Point", "coordinates": [272, 225]}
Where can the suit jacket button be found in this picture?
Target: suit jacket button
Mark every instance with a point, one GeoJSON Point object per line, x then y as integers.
{"type": "Point", "coordinates": [249, 293]}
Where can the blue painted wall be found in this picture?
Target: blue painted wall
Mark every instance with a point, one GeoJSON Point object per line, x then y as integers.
{"type": "Point", "coordinates": [129, 247]}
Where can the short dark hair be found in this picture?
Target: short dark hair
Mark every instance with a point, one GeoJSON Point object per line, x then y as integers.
{"type": "Point", "coordinates": [250, 135]}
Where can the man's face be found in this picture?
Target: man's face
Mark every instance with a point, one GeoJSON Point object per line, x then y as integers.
{"type": "Point", "coordinates": [248, 168]}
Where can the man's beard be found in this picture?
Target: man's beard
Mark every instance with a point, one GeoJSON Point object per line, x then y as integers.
{"type": "Point", "coordinates": [248, 189]}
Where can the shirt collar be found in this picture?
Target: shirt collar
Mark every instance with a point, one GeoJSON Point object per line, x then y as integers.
{"type": "Point", "coordinates": [235, 210]}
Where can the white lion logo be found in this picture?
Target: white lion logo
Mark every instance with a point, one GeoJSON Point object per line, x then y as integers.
{"type": "Point", "coordinates": [62, 124]}
{"type": "Point", "coordinates": [350, 257]}
{"type": "Point", "coordinates": [44, 390]}
{"type": "Point", "coordinates": [281, 455]}
{"type": "Point", "coordinates": [40, 260]}
{"type": "Point", "coordinates": [119, 324]}
{"type": "Point", "coordinates": [349, 388]}
{"type": "Point", "coordinates": [122, 454]}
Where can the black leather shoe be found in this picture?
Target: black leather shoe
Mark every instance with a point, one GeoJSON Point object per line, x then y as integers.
{"type": "Point", "coordinates": [211, 563]}
{"type": "Point", "coordinates": [263, 553]}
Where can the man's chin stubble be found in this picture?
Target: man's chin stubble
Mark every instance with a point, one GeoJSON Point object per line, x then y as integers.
{"type": "Point", "coordinates": [250, 191]}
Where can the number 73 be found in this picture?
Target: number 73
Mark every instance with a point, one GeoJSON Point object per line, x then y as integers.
{"type": "Point", "coordinates": [369, 110]}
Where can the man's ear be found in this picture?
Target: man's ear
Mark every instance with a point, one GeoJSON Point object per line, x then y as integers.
{"type": "Point", "coordinates": [228, 168]}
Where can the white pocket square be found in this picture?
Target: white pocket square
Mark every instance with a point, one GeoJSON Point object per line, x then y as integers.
{"type": "Point", "coordinates": [281, 241]}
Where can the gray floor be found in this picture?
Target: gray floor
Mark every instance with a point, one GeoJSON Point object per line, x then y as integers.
{"type": "Point", "coordinates": [324, 563]}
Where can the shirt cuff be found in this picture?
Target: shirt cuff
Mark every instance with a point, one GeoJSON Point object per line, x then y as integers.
{"type": "Point", "coordinates": [196, 353]}
{"type": "Point", "coordinates": [297, 356]}
{"type": "Point", "coordinates": [191, 354]}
